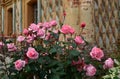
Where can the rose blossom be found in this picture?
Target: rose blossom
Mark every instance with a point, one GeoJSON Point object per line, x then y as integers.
{"type": "Point", "coordinates": [65, 29]}
{"type": "Point", "coordinates": [1, 44]}
{"type": "Point", "coordinates": [40, 24]}
{"type": "Point", "coordinates": [90, 70]}
{"type": "Point", "coordinates": [30, 39]}
{"type": "Point", "coordinates": [19, 64]}
{"type": "Point", "coordinates": [109, 63]}
{"type": "Point", "coordinates": [79, 40]}
{"type": "Point", "coordinates": [34, 27]}
{"type": "Point", "coordinates": [32, 53]}
{"type": "Point", "coordinates": [47, 37]}
{"type": "Point", "coordinates": [96, 53]}
{"type": "Point", "coordinates": [53, 23]}
{"type": "Point", "coordinates": [41, 33]}
{"type": "Point", "coordinates": [11, 47]}
{"type": "Point", "coordinates": [71, 31]}
{"type": "Point", "coordinates": [46, 25]}
{"type": "Point", "coordinates": [20, 38]}
{"type": "Point", "coordinates": [25, 31]}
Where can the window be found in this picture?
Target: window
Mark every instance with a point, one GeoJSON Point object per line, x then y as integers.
{"type": "Point", "coordinates": [9, 21]}
{"type": "Point", "coordinates": [31, 12]}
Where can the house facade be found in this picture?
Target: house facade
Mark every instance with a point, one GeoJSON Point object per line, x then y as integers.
{"type": "Point", "coordinates": [102, 20]}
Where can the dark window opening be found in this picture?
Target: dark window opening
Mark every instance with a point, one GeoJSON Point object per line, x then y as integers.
{"type": "Point", "coordinates": [9, 21]}
{"type": "Point", "coordinates": [32, 12]}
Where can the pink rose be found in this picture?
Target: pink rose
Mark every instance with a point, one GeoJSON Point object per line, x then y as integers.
{"type": "Point", "coordinates": [34, 36]}
{"type": "Point", "coordinates": [19, 64]}
{"type": "Point", "coordinates": [109, 63]}
{"type": "Point", "coordinates": [71, 31]}
{"type": "Point", "coordinates": [90, 70]}
{"type": "Point", "coordinates": [34, 27]}
{"type": "Point", "coordinates": [96, 53]}
{"type": "Point", "coordinates": [30, 39]}
{"type": "Point", "coordinates": [53, 23]}
{"type": "Point", "coordinates": [25, 31]}
{"type": "Point", "coordinates": [11, 47]}
{"type": "Point", "coordinates": [40, 24]}
{"type": "Point", "coordinates": [32, 53]}
{"type": "Point", "coordinates": [65, 29]}
{"type": "Point", "coordinates": [41, 33]}
{"type": "Point", "coordinates": [46, 25]}
{"type": "Point", "coordinates": [1, 44]}
{"type": "Point", "coordinates": [47, 37]}
{"type": "Point", "coordinates": [79, 40]}
{"type": "Point", "coordinates": [20, 38]}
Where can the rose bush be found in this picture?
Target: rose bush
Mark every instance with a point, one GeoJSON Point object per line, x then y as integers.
{"type": "Point", "coordinates": [46, 52]}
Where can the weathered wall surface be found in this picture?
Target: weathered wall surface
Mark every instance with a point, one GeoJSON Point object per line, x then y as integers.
{"type": "Point", "coordinates": [79, 11]}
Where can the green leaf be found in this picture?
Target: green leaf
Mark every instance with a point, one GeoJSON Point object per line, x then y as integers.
{"type": "Point", "coordinates": [74, 45]}
{"type": "Point", "coordinates": [46, 42]}
{"type": "Point", "coordinates": [40, 60]}
{"type": "Point", "coordinates": [106, 77]}
{"type": "Point", "coordinates": [52, 50]}
{"type": "Point", "coordinates": [74, 53]}
{"type": "Point", "coordinates": [116, 77]}
{"type": "Point", "coordinates": [39, 47]}
{"type": "Point", "coordinates": [116, 62]}
{"type": "Point", "coordinates": [27, 68]}
{"type": "Point", "coordinates": [5, 77]}
{"type": "Point", "coordinates": [53, 76]}
{"type": "Point", "coordinates": [52, 63]}
{"type": "Point", "coordinates": [56, 77]}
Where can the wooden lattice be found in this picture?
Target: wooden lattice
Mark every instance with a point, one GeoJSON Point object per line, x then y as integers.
{"type": "Point", "coordinates": [106, 21]}
{"type": "Point", "coordinates": [52, 9]}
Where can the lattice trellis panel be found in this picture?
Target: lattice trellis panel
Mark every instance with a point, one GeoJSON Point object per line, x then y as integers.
{"type": "Point", "coordinates": [106, 21]}
{"type": "Point", "coordinates": [52, 9]}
